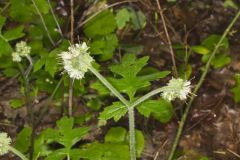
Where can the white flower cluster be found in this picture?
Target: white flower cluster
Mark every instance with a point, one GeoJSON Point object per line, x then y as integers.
{"type": "Point", "coordinates": [4, 143]}
{"type": "Point", "coordinates": [77, 60]}
{"type": "Point", "coordinates": [22, 50]}
{"type": "Point", "coordinates": [176, 88]}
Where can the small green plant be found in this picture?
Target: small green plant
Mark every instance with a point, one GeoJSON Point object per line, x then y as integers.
{"type": "Point", "coordinates": [77, 61]}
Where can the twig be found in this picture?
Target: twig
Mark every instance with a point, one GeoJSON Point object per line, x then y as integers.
{"type": "Point", "coordinates": [72, 21]}
{"type": "Point", "coordinates": [234, 153]}
{"type": "Point", "coordinates": [107, 7]}
{"type": "Point", "coordinates": [43, 22]}
{"type": "Point", "coordinates": [55, 18]}
{"type": "Point", "coordinates": [71, 81]}
{"type": "Point", "coordinates": [168, 39]}
{"type": "Point", "coordinates": [185, 114]}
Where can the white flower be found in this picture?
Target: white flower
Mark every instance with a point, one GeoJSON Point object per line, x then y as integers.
{"type": "Point", "coordinates": [4, 143]}
{"type": "Point", "coordinates": [177, 88]}
{"type": "Point", "coordinates": [76, 60]}
{"type": "Point", "coordinates": [22, 50]}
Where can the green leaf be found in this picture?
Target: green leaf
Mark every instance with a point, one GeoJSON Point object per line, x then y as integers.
{"type": "Point", "coordinates": [5, 49]}
{"type": "Point", "coordinates": [39, 64]}
{"type": "Point", "coordinates": [130, 79]}
{"type": "Point", "coordinates": [211, 41]}
{"type": "Point", "coordinates": [204, 158]}
{"type": "Point", "coordinates": [102, 90]}
{"type": "Point", "coordinates": [236, 89]}
{"type": "Point", "coordinates": [68, 135]}
{"type": "Point", "coordinates": [122, 17]}
{"type": "Point", "coordinates": [42, 6]}
{"type": "Point", "coordinates": [104, 46]}
{"type": "Point", "coordinates": [129, 69]}
{"type": "Point", "coordinates": [59, 154]}
{"type": "Point", "coordinates": [10, 72]}
{"type": "Point", "coordinates": [2, 22]}
{"type": "Point", "coordinates": [161, 109]}
{"type": "Point", "coordinates": [105, 151]}
{"type": "Point", "coordinates": [23, 140]}
{"type": "Point", "coordinates": [185, 72]}
{"type": "Point", "coordinates": [230, 3]}
{"type": "Point", "coordinates": [116, 111]}
{"type": "Point", "coordinates": [129, 66]}
{"type": "Point", "coordinates": [140, 142]}
{"type": "Point", "coordinates": [138, 19]}
{"type": "Point", "coordinates": [16, 103]}
{"type": "Point", "coordinates": [13, 34]}
{"type": "Point", "coordinates": [132, 48]}
{"type": "Point", "coordinates": [95, 104]}
{"type": "Point", "coordinates": [21, 11]}
{"type": "Point", "coordinates": [116, 135]}
{"type": "Point", "coordinates": [200, 49]}
{"type": "Point", "coordinates": [35, 32]}
{"type": "Point", "coordinates": [51, 64]}
{"type": "Point", "coordinates": [103, 24]}
{"type": "Point", "coordinates": [220, 60]}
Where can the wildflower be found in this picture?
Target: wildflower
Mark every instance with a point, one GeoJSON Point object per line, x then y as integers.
{"type": "Point", "coordinates": [22, 50]}
{"type": "Point", "coordinates": [4, 143]}
{"type": "Point", "coordinates": [177, 88]}
{"type": "Point", "coordinates": [76, 60]}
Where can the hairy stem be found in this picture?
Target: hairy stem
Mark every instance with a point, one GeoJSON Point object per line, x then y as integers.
{"type": "Point", "coordinates": [184, 117]}
{"type": "Point", "coordinates": [132, 141]}
{"type": "Point", "coordinates": [109, 86]}
{"type": "Point", "coordinates": [28, 102]}
{"type": "Point", "coordinates": [145, 97]}
{"type": "Point", "coordinates": [18, 153]}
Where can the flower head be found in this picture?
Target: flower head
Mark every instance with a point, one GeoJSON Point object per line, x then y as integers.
{"type": "Point", "coordinates": [4, 143]}
{"type": "Point", "coordinates": [76, 60]}
{"type": "Point", "coordinates": [176, 88]}
{"type": "Point", "coordinates": [22, 50]}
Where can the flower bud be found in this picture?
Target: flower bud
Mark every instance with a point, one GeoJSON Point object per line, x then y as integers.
{"type": "Point", "coordinates": [4, 143]}
{"type": "Point", "coordinates": [22, 50]}
{"type": "Point", "coordinates": [176, 88]}
{"type": "Point", "coordinates": [76, 60]}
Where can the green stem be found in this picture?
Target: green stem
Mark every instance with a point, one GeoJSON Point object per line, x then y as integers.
{"type": "Point", "coordinates": [109, 86]}
{"type": "Point", "coordinates": [28, 102]}
{"type": "Point", "coordinates": [145, 97]}
{"type": "Point", "coordinates": [132, 141]}
{"type": "Point", "coordinates": [184, 117]}
{"type": "Point", "coordinates": [19, 154]}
